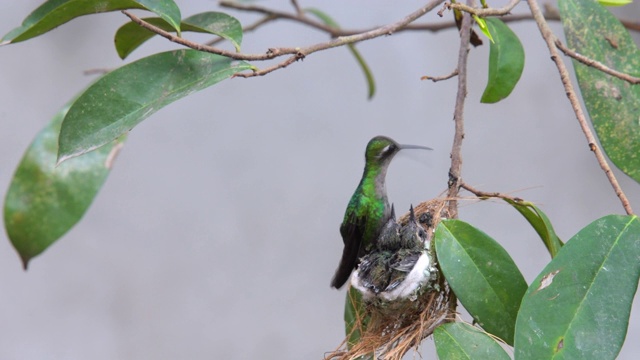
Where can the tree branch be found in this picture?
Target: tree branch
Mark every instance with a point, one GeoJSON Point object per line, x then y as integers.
{"type": "Point", "coordinates": [479, 12]}
{"type": "Point", "coordinates": [271, 54]}
{"type": "Point", "coordinates": [458, 117]}
{"type": "Point", "coordinates": [288, 16]}
{"type": "Point", "coordinates": [485, 195]}
{"type": "Point", "coordinates": [440, 78]}
{"type": "Point", "coordinates": [297, 7]}
{"type": "Point", "coordinates": [297, 53]}
{"type": "Point", "coordinates": [246, 29]}
{"type": "Point", "coordinates": [550, 14]}
{"type": "Point", "coordinates": [596, 64]}
{"type": "Point", "coordinates": [549, 38]}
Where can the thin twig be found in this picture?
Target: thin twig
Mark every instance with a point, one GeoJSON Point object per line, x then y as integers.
{"type": "Point", "coordinates": [485, 195]}
{"type": "Point", "coordinates": [96, 71]}
{"type": "Point", "coordinates": [596, 64]}
{"type": "Point", "coordinates": [440, 78]}
{"type": "Point", "coordinates": [288, 16]}
{"type": "Point", "coordinates": [246, 29]}
{"type": "Point", "coordinates": [297, 7]}
{"type": "Point", "coordinates": [549, 38]}
{"type": "Point", "coordinates": [550, 14]}
{"type": "Point", "coordinates": [297, 53]}
{"type": "Point", "coordinates": [271, 54]}
{"type": "Point", "coordinates": [458, 117]}
{"type": "Point", "coordinates": [479, 11]}
{"type": "Point", "coordinates": [344, 40]}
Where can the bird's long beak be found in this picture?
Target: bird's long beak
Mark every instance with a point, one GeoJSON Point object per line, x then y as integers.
{"type": "Point", "coordinates": [406, 146]}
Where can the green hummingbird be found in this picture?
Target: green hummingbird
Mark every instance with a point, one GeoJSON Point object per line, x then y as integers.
{"type": "Point", "coordinates": [368, 210]}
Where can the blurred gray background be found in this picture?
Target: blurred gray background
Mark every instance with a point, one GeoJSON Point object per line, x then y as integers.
{"type": "Point", "coordinates": [216, 234]}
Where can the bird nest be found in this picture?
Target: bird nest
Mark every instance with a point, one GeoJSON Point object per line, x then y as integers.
{"type": "Point", "coordinates": [389, 329]}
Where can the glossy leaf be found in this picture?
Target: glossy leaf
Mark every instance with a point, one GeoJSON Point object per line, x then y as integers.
{"type": "Point", "coordinates": [54, 13]}
{"type": "Point", "coordinates": [482, 275]}
{"type": "Point", "coordinates": [325, 18]}
{"type": "Point", "coordinates": [579, 306]}
{"type": "Point", "coordinates": [44, 201]}
{"type": "Point", "coordinates": [131, 35]}
{"type": "Point", "coordinates": [121, 99]}
{"type": "Point", "coordinates": [459, 341]}
{"type": "Point", "coordinates": [506, 62]}
{"type": "Point", "coordinates": [540, 223]}
{"type": "Point", "coordinates": [613, 104]}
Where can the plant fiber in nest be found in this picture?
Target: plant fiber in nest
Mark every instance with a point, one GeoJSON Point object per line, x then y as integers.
{"type": "Point", "coordinates": [388, 330]}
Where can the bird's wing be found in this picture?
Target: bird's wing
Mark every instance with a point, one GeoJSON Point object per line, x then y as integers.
{"type": "Point", "coordinates": [373, 272]}
{"type": "Point", "coordinates": [352, 232]}
{"type": "Point", "coordinates": [406, 263]}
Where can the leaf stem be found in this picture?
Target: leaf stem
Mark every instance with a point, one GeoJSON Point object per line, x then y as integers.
{"type": "Point", "coordinates": [482, 12]}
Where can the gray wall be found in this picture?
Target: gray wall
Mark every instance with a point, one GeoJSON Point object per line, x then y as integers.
{"type": "Point", "coordinates": [216, 235]}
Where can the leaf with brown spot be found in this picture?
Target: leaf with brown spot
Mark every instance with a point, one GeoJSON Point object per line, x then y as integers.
{"type": "Point", "coordinates": [584, 312]}
{"type": "Point", "coordinates": [613, 104]}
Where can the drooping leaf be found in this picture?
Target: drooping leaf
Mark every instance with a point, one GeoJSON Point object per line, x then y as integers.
{"type": "Point", "coordinates": [121, 99]}
{"type": "Point", "coordinates": [482, 275]}
{"type": "Point", "coordinates": [613, 104]}
{"type": "Point", "coordinates": [54, 13]}
{"type": "Point", "coordinates": [131, 35]}
{"type": "Point", "coordinates": [506, 62]}
{"type": "Point", "coordinates": [579, 305]}
{"type": "Point", "coordinates": [325, 18]}
{"type": "Point", "coordinates": [540, 223]}
{"type": "Point", "coordinates": [44, 201]}
{"type": "Point", "coordinates": [459, 341]}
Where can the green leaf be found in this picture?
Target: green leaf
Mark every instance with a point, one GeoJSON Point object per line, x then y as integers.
{"type": "Point", "coordinates": [44, 201]}
{"type": "Point", "coordinates": [121, 99]}
{"type": "Point", "coordinates": [482, 24]}
{"type": "Point", "coordinates": [541, 224]}
{"type": "Point", "coordinates": [371, 84]}
{"type": "Point", "coordinates": [458, 341]}
{"type": "Point", "coordinates": [131, 35]}
{"type": "Point", "coordinates": [506, 61]}
{"type": "Point", "coordinates": [615, 2]}
{"type": "Point", "coordinates": [579, 306]}
{"type": "Point", "coordinates": [355, 316]}
{"type": "Point", "coordinates": [54, 13]}
{"type": "Point", "coordinates": [166, 9]}
{"type": "Point", "coordinates": [482, 275]}
{"type": "Point", "coordinates": [613, 104]}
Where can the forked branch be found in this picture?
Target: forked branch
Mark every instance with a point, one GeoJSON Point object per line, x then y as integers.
{"type": "Point", "coordinates": [295, 53]}
{"type": "Point", "coordinates": [550, 38]}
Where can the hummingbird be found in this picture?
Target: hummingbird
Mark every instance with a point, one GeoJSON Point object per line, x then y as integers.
{"type": "Point", "coordinates": [368, 210]}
